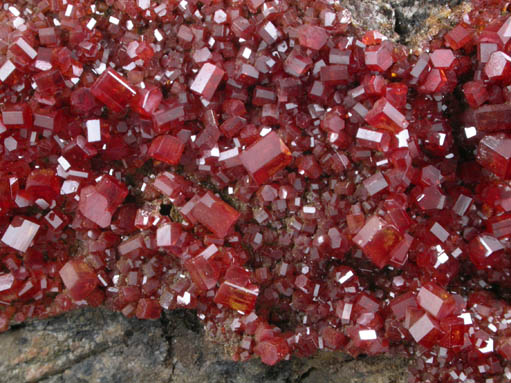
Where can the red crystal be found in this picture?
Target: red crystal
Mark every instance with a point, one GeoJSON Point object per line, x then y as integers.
{"type": "Point", "coordinates": [498, 67]}
{"type": "Point", "coordinates": [297, 63]}
{"type": "Point", "coordinates": [385, 116]}
{"type": "Point", "coordinates": [376, 239]}
{"type": "Point", "coordinates": [168, 117]}
{"type": "Point", "coordinates": [207, 81]}
{"type": "Point", "coordinates": [6, 70]}
{"type": "Point", "coordinates": [237, 297]}
{"type": "Point", "coordinates": [424, 329]}
{"type": "Point", "coordinates": [443, 58]}
{"type": "Point", "coordinates": [400, 304]}
{"type": "Point", "coordinates": [378, 58]}
{"type": "Point", "coordinates": [375, 184]}
{"type": "Point", "coordinates": [436, 301]}
{"type": "Point", "coordinates": [505, 31]}
{"type": "Point", "coordinates": [20, 233]}
{"type": "Point", "coordinates": [79, 279]}
{"type": "Point", "coordinates": [17, 116]}
{"type": "Point", "coordinates": [455, 330]}
{"type": "Point", "coordinates": [334, 74]}
{"type": "Point", "coordinates": [168, 235]}
{"type": "Point", "coordinates": [272, 351]}
{"type": "Point", "coordinates": [459, 36]}
{"type": "Point", "coordinates": [435, 82]}
{"type": "Point", "coordinates": [113, 90]}
{"type": "Point", "coordinates": [167, 149]}
{"type": "Point", "coordinates": [147, 101]}
{"type": "Point", "coordinates": [203, 269]}
{"type": "Point", "coordinates": [500, 226]}
{"type": "Point", "coordinates": [493, 117]}
{"type": "Point", "coordinates": [494, 153]}
{"type": "Point", "coordinates": [265, 157]}
{"type": "Point", "coordinates": [484, 250]}
{"type": "Point", "coordinates": [475, 93]}
{"type": "Point", "coordinates": [98, 203]}
{"type": "Point", "coordinates": [215, 214]}
{"type": "Point", "coordinates": [313, 37]}
{"type": "Point", "coordinates": [170, 184]}
{"type": "Point", "coordinates": [148, 309]}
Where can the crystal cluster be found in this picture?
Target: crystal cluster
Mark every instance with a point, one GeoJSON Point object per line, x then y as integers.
{"type": "Point", "coordinates": [299, 183]}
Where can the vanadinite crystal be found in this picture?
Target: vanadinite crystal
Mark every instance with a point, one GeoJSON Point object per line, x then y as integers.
{"type": "Point", "coordinates": [299, 183]}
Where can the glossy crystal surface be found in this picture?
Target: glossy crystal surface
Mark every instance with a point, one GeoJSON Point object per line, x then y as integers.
{"type": "Point", "coordinates": [113, 90]}
{"type": "Point", "coordinates": [265, 157]}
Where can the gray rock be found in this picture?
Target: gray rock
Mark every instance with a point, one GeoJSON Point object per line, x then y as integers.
{"type": "Point", "coordinates": [94, 345]}
{"type": "Point", "coordinates": [373, 15]}
{"type": "Point", "coordinates": [412, 14]}
{"type": "Point", "coordinates": [406, 21]}
{"type": "Point", "coordinates": [209, 363]}
{"type": "Point", "coordinates": [90, 345]}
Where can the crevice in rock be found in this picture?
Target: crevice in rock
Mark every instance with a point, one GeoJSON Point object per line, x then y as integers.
{"type": "Point", "coordinates": [399, 26]}
{"type": "Point", "coordinates": [18, 326]}
{"type": "Point", "coordinates": [410, 16]}
{"type": "Point", "coordinates": [167, 334]}
{"type": "Point", "coordinates": [305, 374]}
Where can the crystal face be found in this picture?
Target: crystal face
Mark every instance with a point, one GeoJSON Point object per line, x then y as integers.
{"type": "Point", "coordinates": [238, 298]}
{"type": "Point", "coordinates": [20, 234]}
{"type": "Point", "coordinates": [436, 301]}
{"type": "Point", "coordinates": [377, 239]}
{"type": "Point", "coordinates": [312, 37]}
{"type": "Point", "coordinates": [207, 80]}
{"type": "Point", "coordinates": [203, 269]}
{"type": "Point", "coordinates": [299, 183]}
{"type": "Point", "coordinates": [266, 157]}
{"type": "Point", "coordinates": [442, 58]}
{"type": "Point", "coordinates": [498, 67]}
{"type": "Point", "coordinates": [493, 117]}
{"type": "Point", "coordinates": [378, 58]}
{"type": "Point", "coordinates": [17, 116]}
{"type": "Point", "coordinates": [113, 90]}
{"type": "Point", "coordinates": [494, 154]}
{"type": "Point", "coordinates": [167, 149]}
{"type": "Point", "coordinates": [99, 202]}
{"type": "Point", "coordinates": [385, 116]}
{"type": "Point", "coordinates": [79, 279]}
{"type": "Point", "coordinates": [215, 214]}
{"type": "Point", "coordinates": [475, 93]}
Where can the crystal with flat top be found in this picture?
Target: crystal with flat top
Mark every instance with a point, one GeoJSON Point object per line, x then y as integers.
{"type": "Point", "coordinates": [207, 81]}
{"type": "Point", "coordinates": [113, 90]}
{"type": "Point", "coordinates": [265, 157]}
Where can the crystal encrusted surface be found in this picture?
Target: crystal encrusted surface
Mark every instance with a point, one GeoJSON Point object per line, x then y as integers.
{"type": "Point", "coordinates": [301, 184]}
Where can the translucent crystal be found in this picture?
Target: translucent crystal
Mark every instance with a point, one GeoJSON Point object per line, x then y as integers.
{"type": "Point", "coordinates": [207, 80]}
{"type": "Point", "coordinates": [20, 233]}
{"type": "Point", "coordinates": [113, 90]}
{"type": "Point", "coordinates": [79, 278]}
{"type": "Point", "coordinates": [265, 157]}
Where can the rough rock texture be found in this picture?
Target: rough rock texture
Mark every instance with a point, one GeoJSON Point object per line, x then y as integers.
{"type": "Point", "coordinates": [93, 345]}
{"type": "Point", "coordinates": [374, 14]}
{"type": "Point", "coordinates": [407, 21]}
{"type": "Point", "coordinates": [85, 346]}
